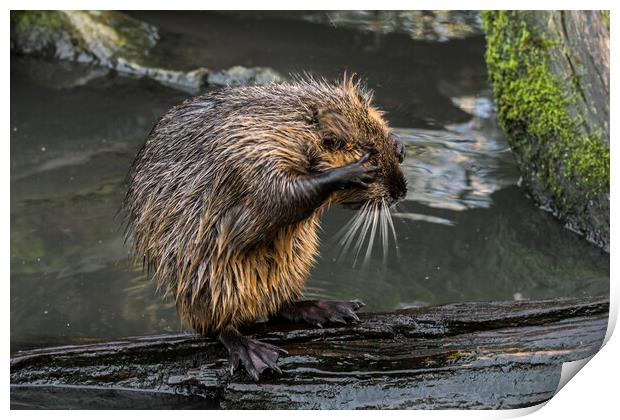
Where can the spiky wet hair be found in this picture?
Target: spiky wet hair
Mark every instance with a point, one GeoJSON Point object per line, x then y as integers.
{"type": "Point", "coordinates": [214, 204]}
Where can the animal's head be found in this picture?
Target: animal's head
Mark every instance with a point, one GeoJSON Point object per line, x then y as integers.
{"type": "Point", "coordinates": [347, 127]}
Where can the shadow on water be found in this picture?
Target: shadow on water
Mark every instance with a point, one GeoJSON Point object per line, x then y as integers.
{"type": "Point", "coordinates": [465, 230]}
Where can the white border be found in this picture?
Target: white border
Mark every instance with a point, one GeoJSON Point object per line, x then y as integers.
{"type": "Point", "coordinates": [593, 393]}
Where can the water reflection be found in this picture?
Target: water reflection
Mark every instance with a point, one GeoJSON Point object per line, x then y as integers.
{"type": "Point", "coordinates": [424, 25]}
{"type": "Point", "coordinates": [460, 167]}
{"type": "Point", "coordinates": [465, 232]}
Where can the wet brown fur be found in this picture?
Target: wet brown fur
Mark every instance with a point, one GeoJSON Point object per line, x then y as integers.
{"type": "Point", "coordinates": [216, 206]}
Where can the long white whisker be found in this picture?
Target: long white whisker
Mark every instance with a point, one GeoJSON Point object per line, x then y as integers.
{"type": "Point", "coordinates": [348, 240]}
{"type": "Point", "coordinates": [362, 237]}
{"type": "Point", "coordinates": [384, 230]}
{"type": "Point", "coordinates": [356, 222]}
{"type": "Point", "coordinates": [373, 232]}
{"type": "Point", "coordinates": [341, 235]}
{"type": "Point", "coordinates": [343, 230]}
{"type": "Point", "coordinates": [391, 223]}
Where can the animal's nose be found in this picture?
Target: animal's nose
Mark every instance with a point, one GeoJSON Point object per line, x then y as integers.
{"type": "Point", "coordinates": [399, 148]}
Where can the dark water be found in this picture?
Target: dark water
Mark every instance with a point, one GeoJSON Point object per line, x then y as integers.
{"type": "Point", "coordinates": [466, 231]}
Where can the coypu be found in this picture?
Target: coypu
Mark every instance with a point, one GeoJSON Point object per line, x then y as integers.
{"type": "Point", "coordinates": [225, 196]}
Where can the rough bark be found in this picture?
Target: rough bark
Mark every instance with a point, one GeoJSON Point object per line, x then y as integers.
{"type": "Point", "coordinates": [550, 76]}
{"type": "Point", "coordinates": [468, 355]}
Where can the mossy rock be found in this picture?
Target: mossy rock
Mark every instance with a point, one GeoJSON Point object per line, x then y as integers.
{"type": "Point", "coordinates": [86, 36]}
{"type": "Point", "coordinates": [550, 77]}
{"type": "Point", "coordinates": [115, 41]}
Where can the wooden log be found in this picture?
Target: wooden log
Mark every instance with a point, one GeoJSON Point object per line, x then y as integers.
{"type": "Point", "coordinates": [466, 355]}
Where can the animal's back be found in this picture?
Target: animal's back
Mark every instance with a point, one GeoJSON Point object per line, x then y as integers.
{"type": "Point", "coordinates": [197, 212]}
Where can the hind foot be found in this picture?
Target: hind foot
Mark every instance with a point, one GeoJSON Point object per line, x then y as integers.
{"type": "Point", "coordinates": [319, 312]}
{"type": "Point", "coordinates": [255, 356]}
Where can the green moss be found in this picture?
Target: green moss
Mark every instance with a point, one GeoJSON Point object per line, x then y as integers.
{"type": "Point", "coordinates": [135, 38]}
{"type": "Point", "coordinates": [605, 15]}
{"type": "Point", "coordinates": [101, 36]}
{"type": "Point", "coordinates": [48, 33]}
{"type": "Point", "coordinates": [46, 20]}
{"type": "Point", "coordinates": [533, 108]}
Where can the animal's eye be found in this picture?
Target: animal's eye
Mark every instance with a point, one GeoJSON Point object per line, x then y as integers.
{"type": "Point", "coordinates": [332, 143]}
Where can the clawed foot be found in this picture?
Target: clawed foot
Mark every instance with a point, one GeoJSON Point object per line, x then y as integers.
{"type": "Point", "coordinates": [320, 312]}
{"type": "Point", "coordinates": [255, 356]}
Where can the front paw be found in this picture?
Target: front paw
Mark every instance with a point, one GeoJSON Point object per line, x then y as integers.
{"type": "Point", "coordinates": [321, 312]}
{"type": "Point", "coordinates": [356, 175]}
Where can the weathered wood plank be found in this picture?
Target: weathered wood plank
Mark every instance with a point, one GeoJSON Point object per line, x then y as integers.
{"type": "Point", "coordinates": [469, 355]}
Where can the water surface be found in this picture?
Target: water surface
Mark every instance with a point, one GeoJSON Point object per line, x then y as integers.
{"type": "Point", "coordinates": [465, 232]}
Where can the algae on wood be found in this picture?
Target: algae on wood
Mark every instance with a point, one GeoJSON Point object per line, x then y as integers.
{"type": "Point", "coordinates": [550, 76]}
{"type": "Point", "coordinates": [466, 355]}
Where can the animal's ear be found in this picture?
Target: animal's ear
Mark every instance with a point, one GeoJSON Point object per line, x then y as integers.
{"type": "Point", "coordinates": [334, 122]}
{"type": "Point", "coordinates": [333, 128]}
